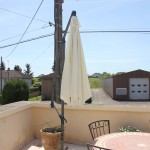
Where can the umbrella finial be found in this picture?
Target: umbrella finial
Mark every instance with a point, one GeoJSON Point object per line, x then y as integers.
{"type": "Point", "coordinates": [73, 13]}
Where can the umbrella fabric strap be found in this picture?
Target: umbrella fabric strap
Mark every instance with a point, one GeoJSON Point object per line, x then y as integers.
{"type": "Point", "coordinates": [60, 116]}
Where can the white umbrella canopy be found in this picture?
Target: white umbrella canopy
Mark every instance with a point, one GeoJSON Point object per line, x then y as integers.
{"type": "Point", "coordinates": [75, 88]}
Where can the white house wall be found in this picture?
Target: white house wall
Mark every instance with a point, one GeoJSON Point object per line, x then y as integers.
{"type": "Point", "coordinates": [28, 81]}
{"type": "Point", "coordinates": [4, 81]}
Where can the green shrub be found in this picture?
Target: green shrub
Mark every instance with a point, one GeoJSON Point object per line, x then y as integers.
{"type": "Point", "coordinates": [0, 99]}
{"type": "Point", "coordinates": [34, 94]}
{"type": "Point", "coordinates": [37, 84]}
{"type": "Point", "coordinates": [15, 90]}
{"type": "Point", "coordinates": [35, 80]}
{"type": "Point", "coordinates": [34, 89]}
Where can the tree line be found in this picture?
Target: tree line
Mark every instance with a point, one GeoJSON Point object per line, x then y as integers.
{"type": "Point", "coordinates": [108, 75]}
{"type": "Point", "coordinates": [18, 68]}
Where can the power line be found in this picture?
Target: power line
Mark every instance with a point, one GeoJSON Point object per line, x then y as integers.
{"type": "Point", "coordinates": [41, 53]}
{"type": "Point", "coordinates": [22, 34]}
{"type": "Point", "coordinates": [26, 29]}
{"type": "Point", "coordinates": [96, 31]}
{"type": "Point", "coordinates": [16, 13]}
{"type": "Point", "coordinates": [117, 31]}
{"type": "Point", "coordinates": [28, 40]}
{"type": "Point", "coordinates": [50, 23]}
{"type": "Point", "coordinates": [47, 35]}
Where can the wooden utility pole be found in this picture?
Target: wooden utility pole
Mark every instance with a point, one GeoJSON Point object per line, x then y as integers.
{"type": "Point", "coordinates": [58, 61]}
{"type": "Point", "coordinates": [58, 47]}
{"type": "Point", "coordinates": [59, 54]}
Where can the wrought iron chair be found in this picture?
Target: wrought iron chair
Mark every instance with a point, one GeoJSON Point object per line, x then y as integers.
{"type": "Point", "coordinates": [99, 128]}
{"type": "Point", "coordinates": [92, 147]}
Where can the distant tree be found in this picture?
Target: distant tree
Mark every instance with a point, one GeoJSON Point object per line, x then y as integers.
{"type": "Point", "coordinates": [2, 66]}
{"type": "Point", "coordinates": [41, 75]}
{"type": "Point", "coordinates": [118, 73]}
{"type": "Point", "coordinates": [17, 68]}
{"type": "Point", "coordinates": [28, 70]}
{"type": "Point", "coordinates": [105, 75]}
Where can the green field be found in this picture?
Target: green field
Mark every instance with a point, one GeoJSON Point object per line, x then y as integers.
{"type": "Point", "coordinates": [95, 83]}
{"type": "Point", "coordinates": [37, 98]}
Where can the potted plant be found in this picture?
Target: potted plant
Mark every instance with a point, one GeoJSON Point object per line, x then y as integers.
{"type": "Point", "coordinates": [51, 136]}
{"type": "Point", "coordinates": [128, 129]}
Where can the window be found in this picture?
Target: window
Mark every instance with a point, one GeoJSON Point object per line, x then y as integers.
{"type": "Point", "coordinates": [121, 91]}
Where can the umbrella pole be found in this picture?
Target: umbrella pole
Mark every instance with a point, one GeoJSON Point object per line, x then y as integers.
{"type": "Point", "coordinates": [62, 118]}
{"type": "Point", "coordinates": [62, 102]}
{"type": "Point", "coordinates": [62, 125]}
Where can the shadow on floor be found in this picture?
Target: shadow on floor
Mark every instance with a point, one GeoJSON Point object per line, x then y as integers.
{"type": "Point", "coordinates": [35, 144]}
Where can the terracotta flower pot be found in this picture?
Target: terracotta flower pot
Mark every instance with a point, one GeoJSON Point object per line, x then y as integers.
{"type": "Point", "coordinates": [51, 141]}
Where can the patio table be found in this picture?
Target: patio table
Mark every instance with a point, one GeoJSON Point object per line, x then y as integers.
{"type": "Point", "coordinates": [124, 141]}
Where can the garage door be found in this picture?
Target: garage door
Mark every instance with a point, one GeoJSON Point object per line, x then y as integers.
{"type": "Point", "coordinates": [139, 88]}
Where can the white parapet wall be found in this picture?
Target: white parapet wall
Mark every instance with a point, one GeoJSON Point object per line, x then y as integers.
{"type": "Point", "coordinates": [78, 118]}
{"type": "Point", "coordinates": [22, 121]}
{"type": "Point", "coordinates": [15, 125]}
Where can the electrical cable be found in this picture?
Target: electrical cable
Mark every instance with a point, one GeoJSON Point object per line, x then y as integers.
{"type": "Point", "coordinates": [117, 31]}
{"type": "Point", "coordinates": [47, 35]}
{"type": "Point", "coordinates": [113, 31]}
{"type": "Point", "coordinates": [26, 29]}
{"type": "Point", "coordinates": [22, 34]}
{"type": "Point", "coordinates": [21, 14]}
{"type": "Point", "coordinates": [32, 39]}
{"type": "Point", "coordinates": [26, 16]}
{"type": "Point", "coordinates": [41, 53]}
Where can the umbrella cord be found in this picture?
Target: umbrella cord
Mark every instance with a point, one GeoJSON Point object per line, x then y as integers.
{"type": "Point", "coordinates": [60, 116]}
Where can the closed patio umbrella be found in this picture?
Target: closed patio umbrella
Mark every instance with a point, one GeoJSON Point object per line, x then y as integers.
{"type": "Point", "coordinates": [75, 88]}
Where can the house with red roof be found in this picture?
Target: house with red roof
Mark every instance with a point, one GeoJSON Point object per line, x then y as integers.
{"type": "Point", "coordinates": [6, 75]}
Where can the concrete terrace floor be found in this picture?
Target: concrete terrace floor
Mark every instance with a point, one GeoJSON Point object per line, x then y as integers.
{"type": "Point", "coordinates": [36, 145]}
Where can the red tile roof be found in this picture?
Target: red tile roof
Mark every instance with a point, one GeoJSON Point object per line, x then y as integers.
{"type": "Point", "coordinates": [14, 74]}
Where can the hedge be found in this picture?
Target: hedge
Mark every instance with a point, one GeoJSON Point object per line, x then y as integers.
{"type": "Point", "coordinates": [15, 90]}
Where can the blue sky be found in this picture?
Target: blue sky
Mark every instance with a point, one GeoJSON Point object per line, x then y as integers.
{"type": "Point", "coordinates": [104, 52]}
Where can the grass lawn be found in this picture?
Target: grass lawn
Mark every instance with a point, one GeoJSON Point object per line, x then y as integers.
{"type": "Point", "coordinates": [35, 80]}
{"type": "Point", "coordinates": [95, 83]}
{"type": "Point", "coordinates": [37, 98]}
